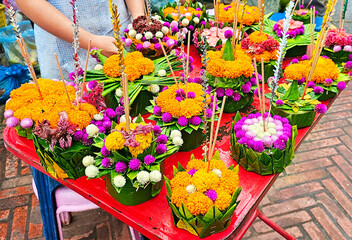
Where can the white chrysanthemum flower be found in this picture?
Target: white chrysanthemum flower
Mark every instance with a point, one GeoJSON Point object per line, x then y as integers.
{"type": "Point", "coordinates": [185, 22]}
{"type": "Point", "coordinates": [154, 88]}
{"type": "Point", "coordinates": [177, 141]}
{"type": "Point", "coordinates": [88, 160]}
{"type": "Point", "coordinates": [129, 26]}
{"type": "Point", "coordinates": [148, 35]}
{"type": "Point", "coordinates": [143, 177]}
{"type": "Point", "coordinates": [119, 92]}
{"type": "Point", "coordinates": [196, 20]}
{"type": "Point", "coordinates": [135, 119]}
{"type": "Point", "coordinates": [155, 176]}
{"type": "Point", "coordinates": [191, 189]}
{"type": "Point", "coordinates": [123, 119]}
{"type": "Point", "coordinates": [175, 133]}
{"type": "Point", "coordinates": [98, 117]}
{"type": "Point", "coordinates": [159, 34]}
{"type": "Point", "coordinates": [165, 30]}
{"type": "Point", "coordinates": [98, 67]}
{"type": "Point", "coordinates": [157, 17]}
{"type": "Point", "coordinates": [217, 172]}
{"type": "Point", "coordinates": [162, 73]}
{"type": "Point", "coordinates": [139, 36]}
{"type": "Point", "coordinates": [132, 33]}
{"type": "Point", "coordinates": [92, 130]}
{"type": "Point", "coordinates": [91, 171]}
{"type": "Point", "coordinates": [119, 181]}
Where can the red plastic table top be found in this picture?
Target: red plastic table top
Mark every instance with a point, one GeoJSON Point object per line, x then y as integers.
{"type": "Point", "coordinates": [153, 218]}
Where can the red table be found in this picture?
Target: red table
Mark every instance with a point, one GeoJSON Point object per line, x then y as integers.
{"type": "Point", "coordinates": [153, 218]}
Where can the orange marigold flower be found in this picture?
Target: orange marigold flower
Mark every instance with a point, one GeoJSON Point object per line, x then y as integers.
{"type": "Point", "coordinates": [229, 181]}
{"type": "Point", "coordinates": [223, 200]}
{"type": "Point", "coordinates": [88, 108]}
{"type": "Point", "coordinates": [115, 141]}
{"type": "Point", "coordinates": [197, 203]}
{"type": "Point", "coordinates": [179, 196]}
{"type": "Point", "coordinates": [250, 16]}
{"type": "Point", "coordinates": [79, 118]}
{"type": "Point", "coordinates": [258, 37]}
{"type": "Point", "coordinates": [204, 180]}
{"type": "Point", "coordinates": [196, 164]}
{"type": "Point", "coordinates": [182, 179]}
{"type": "Point", "coordinates": [217, 164]}
{"type": "Point", "coordinates": [112, 66]}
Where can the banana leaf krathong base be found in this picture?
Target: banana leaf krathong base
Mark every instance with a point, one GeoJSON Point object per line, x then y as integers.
{"type": "Point", "coordinates": [263, 163]}
{"type": "Point", "coordinates": [62, 163]}
{"type": "Point", "coordinates": [213, 221]}
{"type": "Point", "coordinates": [301, 119]}
{"type": "Point", "coordinates": [233, 106]}
{"type": "Point", "coordinates": [337, 57]}
{"type": "Point", "coordinates": [191, 140]}
{"type": "Point", "coordinates": [327, 95]}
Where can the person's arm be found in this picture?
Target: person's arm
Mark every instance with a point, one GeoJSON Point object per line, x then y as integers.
{"type": "Point", "coordinates": [53, 21]}
{"type": "Point", "coordinates": [135, 7]}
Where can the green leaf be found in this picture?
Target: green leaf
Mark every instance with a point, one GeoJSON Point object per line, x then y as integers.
{"type": "Point", "coordinates": [237, 117]}
{"type": "Point", "coordinates": [132, 175]}
{"type": "Point", "coordinates": [228, 51]}
{"type": "Point", "coordinates": [292, 92]}
{"type": "Point", "coordinates": [168, 187]}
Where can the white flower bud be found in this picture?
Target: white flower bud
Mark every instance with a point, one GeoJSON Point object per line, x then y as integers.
{"type": "Point", "coordinates": [119, 181]}
{"type": "Point", "coordinates": [143, 177]}
{"type": "Point", "coordinates": [165, 30]}
{"type": "Point", "coordinates": [175, 133]}
{"type": "Point", "coordinates": [88, 160]}
{"type": "Point", "coordinates": [191, 189]}
{"type": "Point", "coordinates": [177, 141]}
{"type": "Point", "coordinates": [98, 67]}
{"type": "Point", "coordinates": [123, 119]}
{"type": "Point", "coordinates": [162, 73]}
{"type": "Point", "coordinates": [155, 176]}
{"type": "Point", "coordinates": [185, 22]}
{"type": "Point", "coordinates": [154, 88]}
{"type": "Point", "coordinates": [119, 92]}
{"type": "Point", "coordinates": [196, 20]}
{"type": "Point", "coordinates": [159, 34]}
{"type": "Point", "coordinates": [148, 35]}
{"type": "Point", "coordinates": [92, 130]}
{"type": "Point", "coordinates": [132, 33]}
{"type": "Point", "coordinates": [98, 117]}
{"type": "Point", "coordinates": [139, 36]}
{"type": "Point", "coordinates": [91, 171]}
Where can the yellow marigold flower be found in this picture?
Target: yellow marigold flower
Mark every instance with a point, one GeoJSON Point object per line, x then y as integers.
{"type": "Point", "coordinates": [217, 164]}
{"type": "Point", "coordinates": [179, 196]}
{"type": "Point", "coordinates": [112, 66]}
{"type": "Point", "coordinates": [132, 57]}
{"type": "Point", "coordinates": [229, 181]}
{"type": "Point", "coordinates": [197, 203]}
{"type": "Point", "coordinates": [258, 37]}
{"type": "Point", "coordinates": [145, 66]}
{"type": "Point", "coordinates": [79, 118]}
{"type": "Point", "coordinates": [223, 200]}
{"type": "Point", "coordinates": [174, 12]}
{"type": "Point", "coordinates": [203, 180]}
{"type": "Point", "coordinates": [88, 108]}
{"type": "Point", "coordinates": [250, 16]}
{"type": "Point", "coordinates": [115, 141]}
{"type": "Point", "coordinates": [132, 72]}
{"type": "Point", "coordinates": [181, 180]}
{"type": "Point", "coordinates": [144, 143]}
{"type": "Point", "coordinates": [196, 164]}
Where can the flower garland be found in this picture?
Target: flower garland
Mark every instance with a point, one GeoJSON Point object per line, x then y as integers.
{"type": "Point", "coordinates": [296, 28]}
{"type": "Point", "coordinates": [136, 66]}
{"type": "Point", "coordinates": [260, 45]}
{"type": "Point", "coordinates": [250, 16]}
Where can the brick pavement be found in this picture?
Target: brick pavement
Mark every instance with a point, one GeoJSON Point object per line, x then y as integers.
{"type": "Point", "coordinates": [311, 200]}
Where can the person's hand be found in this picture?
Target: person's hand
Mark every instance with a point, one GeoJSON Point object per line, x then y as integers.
{"type": "Point", "coordinates": [107, 43]}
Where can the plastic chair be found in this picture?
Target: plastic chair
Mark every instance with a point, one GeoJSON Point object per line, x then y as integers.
{"type": "Point", "coordinates": [68, 201]}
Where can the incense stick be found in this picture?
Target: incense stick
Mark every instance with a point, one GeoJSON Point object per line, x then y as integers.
{"type": "Point", "coordinates": [126, 101]}
{"type": "Point", "coordinates": [234, 27]}
{"type": "Point", "coordinates": [218, 125]}
{"type": "Point", "coordinates": [188, 51]}
{"type": "Point", "coordinates": [258, 86]}
{"type": "Point", "coordinates": [212, 127]}
{"type": "Point", "coordinates": [168, 62]}
{"type": "Point", "coordinates": [62, 77]}
{"type": "Point", "coordinates": [85, 68]}
{"type": "Point", "coordinates": [263, 95]}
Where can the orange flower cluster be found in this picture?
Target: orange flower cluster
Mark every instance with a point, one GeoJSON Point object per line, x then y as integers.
{"type": "Point", "coordinates": [257, 37]}
{"type": "Point", "coordinates": [136, 66]}
{"type": "Point", "coordinates": [241, 66]}
{"type": "Point", "coordinates": [325, 68]}
{"type": "Point", "coordinates": [188, 107]}
{"type": "Point", "coordinates": [227, 12]}
{"type": "Point", "coordinates": [183, 10]}
{"type": "Point", "coordinates": [191, 190]}
{"type": "Point", "coordinates": [26, 103]}
{"type": "Point", "coordinates": [267, 56]}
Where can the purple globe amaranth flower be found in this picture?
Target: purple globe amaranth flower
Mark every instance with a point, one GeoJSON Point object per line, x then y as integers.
{"type": "Point", "coordinates": [318, 90]}
{"type": "Point", "coordinates": [279, 144]}
{"type": "Point", "coordinates": [134, 164]}
{"type": "Point", "coordinates": [157, 110]}
{"type": "Point", "coordinates": [174, 29]}
{"type": "Point", "coordinates": [12, 122]}
{"type": "Point", "coordinates": [191, 28]}
{"type": "Point", "coordinates": [180, 93]}
{"type": "Point", "coordinates": [348, 65]}
{"type": "Point", "coordinates": [139, 47]}
{"type": "Point", "coordinates": [192, 171]}
{"type": "Point", "coordinates": [87, 141]}
{"type": "Point", "coordinates": [161, 149]}
{"type": "Point", "coordinates": [26, 123]}
{"type": "Point", "coordinates": [243, 141]}
{"type": "Point", "coordinates": [105, 152]}
{"type": "Point", "coordinates": [157, 46]}
{"type": "Point", "coordinates": [106, 162]}
{"type": "Point", "coordinates": [120, 111]}
{"type": "Point", "coordinates": [341, 86]}
{"type": "Point", "coordinates": [203, 23]}
{"type": "Point", "coordinates": [208, 113]}
{"type": "Point", "coordinates": [211, 194]}
{"type": "Point", "coordinates": [253, 81]}
{"type": "Point", "coordinates": [149, 159]}
{"type": "Point", "coordinates": [166, 117]}
{"type": "Point", "coordinates": [102, 129]}
{"type": "Point", "coordinates": [279, 102]}
{"type": "Point", "coordinates": [182, 121]}
{"type": "Point", "coordinates": [162, 139]}
{"type": "Point", "coordinates": [301, 81]}
{"type": "Point", "coordinates": [295, 60]}
{"type": "Point", "coordinates": [120, 167]}
{"type": "Point", "coordinates": [228, 34]}
{"type": "Point", "coordinates": [110, 113]}
{"type": "Point", "coordinates": [197, 80]}
{"type": "Point", "coordinates": [78, 135]}
{"type": "Point", "coordinates": [328, 82]}
{"type": "Point", "coordinates": [320, 108]}
{"type": "Point", "coordinates": [304, 57]}
{"type": "Point", "coordinates": [283, 138]}
{"type": "Point", "coordinates": [337, 48]}
{"type": "Point", "coordinates": [229, 92]}
{"type": "Point", "coordinates": [256, 92]}
{"type": "Point", "coordinates": [311, 84]}
{"type": "Point", "coordinates": [324, 56]}
{"type": "Point", "coordinates": [236, 96]}
{"type": "Point", "coordinates": [179, 99]}
{"type": "Point", "coordinates": [92, 84]}
{"type": "Point", "coordinates": [350, 57]}
{"type": "Point", "coordinates": [144, 38]}
{"type": "Point", "coordinates": [191, 95]}
{"type": "Point", "coordinates": [195, 120]}
{"type": "Point", "coordinates": [166, 24]}
{"type": "Point", "coordinates": [246, 88]}
{"type": "Point", "coordinates": [8, 113]}
{"type": "Point", "coordinates": [220, 92]}
{"type": "Point", "coordinates": [240, 134]}
{"type": "Point", "coordinates": [156, 130]}
{"type": "Point", "coordinates": [107, 125]}
{"type": "Point", "coordinates": [258, 146]}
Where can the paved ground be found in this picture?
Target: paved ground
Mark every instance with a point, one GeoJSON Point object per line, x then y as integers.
{"type": "Point", "coordinates": [311, 200]}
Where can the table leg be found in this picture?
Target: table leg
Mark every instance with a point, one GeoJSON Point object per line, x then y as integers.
{"type": "Point", "coordinates": [45, 187]}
